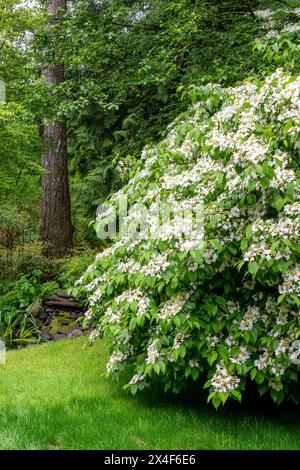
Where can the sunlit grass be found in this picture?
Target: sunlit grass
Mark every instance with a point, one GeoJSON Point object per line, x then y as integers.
{"type": "Point", "coordinates": [54, 397]}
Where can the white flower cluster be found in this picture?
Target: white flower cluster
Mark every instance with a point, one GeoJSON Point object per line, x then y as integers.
{"type": "Point", "coordinates": [280, 311]}
{"type": "Point", "coordinates": [94, 335]}
{"type": "Point", "coordinates": [113, 316]}
{"type": "Point", "coordinates": [115, 360]}
{"type": "Point", "coordinates": [174, 305]}
{"type": "Point", "coordinates": [156, 265]}
{"type": "Point", "coordinates": [291, 28]}
{"type": "Point", "coordinates": [152, 352]}
{"type": "Point", "coordinates": [292, 209]}
{"type": "Point", "coordinates": [263, 251]}
{"type": "Point", "coordinates": [137, 296]}
{"type": "Point", "coordinates": [294, 352]}
{"type": "Point", "coordinates": [274, 25]}
{"type": "Point", "coordinates": [241, 357]}
{"type": "Point", "coordinates": [271, 360]}
{"type": "Point", "coordinates": [193, 364]}
{"type": "Point", "coordinates": [283, 346]}
{"type": "Point", "coordinates": [250, 317]}
{"type": "Point", "coordinates": [291, 281]}
{"type": "Point", "coordinates": [212, 339]}
{"type": "Point", "coordinates": [233, 306]}
{"type": "Point", "coordinates": [222, 381]}
{"type": "Point", "coordinates": [263, 361]}
{"type": "Point", "coordinates": [178, 340]}
{"type": "Point", "coordinates": [97, 294]}
{"type": "Point", "coordinates": [136, 378]}
{"type": "Point", "coordinates": [131, 266]}
{"type": "Point", "coordinates": [264, 14]}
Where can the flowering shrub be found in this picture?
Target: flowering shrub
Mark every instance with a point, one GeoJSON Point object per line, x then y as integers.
{"type": "Point", "coordinates": [276, 22]}
{"type": "Point", "coordinates": [220, 306]}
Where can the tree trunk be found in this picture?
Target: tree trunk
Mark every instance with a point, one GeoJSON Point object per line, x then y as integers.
{"type": "Point", "coordinates": [57, 230]}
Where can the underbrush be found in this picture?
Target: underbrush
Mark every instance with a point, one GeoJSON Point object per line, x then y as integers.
{"type": "Point", "coordinates": [29, 277]}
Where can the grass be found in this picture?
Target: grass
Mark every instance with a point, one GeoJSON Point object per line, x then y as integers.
{"type": "Point", "coordinates": [54, 397]}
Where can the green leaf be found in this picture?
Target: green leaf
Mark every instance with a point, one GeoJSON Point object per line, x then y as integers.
{"type": "Point", "coordinates": [223, 396]}
{"type": "Point", "coordinates": [192, 276]}
{"type": "Point", "coordinates": [207, 384]}
{"type": "Point", "coordinates": [170, 291]}
{"type": "Point", "coordinates": [249, 231]}
{"type": "Point", "coordinates": [268, 170]}
{"type": "Point", "coordinates": [132, 324]}
{"type": "Point", "coordinates": [212, 357]}
{"type": "Point", "coordinates": [176, 321]}
{"type": "Point", "coordinates": [174, 283]}
{"type": "Point", "coordinates": [253, 268]}
{"type": "Point", "coordinates": [216, 402]}
{"type": "Point", "coordinates": [195, 373]}
{"type": "Point", "coordinates": [133, 306]}
{"type": "Point", "coordinates": [197, 256]}
{"type": "Point", "coordinates": [282, 266]}
{"type": "Point", "coordinates": [259, 378]}
{"type": "Point", "coordinates": [244, 244]}
{"type": "Point", "coordinates": [237, 395]}
{"type": "Point", "coordinates": [216, 245]}
{"type": "Point", "coordinates": [279, 203]}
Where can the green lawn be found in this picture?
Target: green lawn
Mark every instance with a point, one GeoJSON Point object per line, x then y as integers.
{"type": "Point", "coordinates": [54, 397]}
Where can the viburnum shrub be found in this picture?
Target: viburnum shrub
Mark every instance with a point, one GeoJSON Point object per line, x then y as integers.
{"type": "Point", "coordinates": [220, 307]}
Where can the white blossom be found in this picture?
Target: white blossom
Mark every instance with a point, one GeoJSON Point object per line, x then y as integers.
{"type": "Point", "coordinates": [222, 381]}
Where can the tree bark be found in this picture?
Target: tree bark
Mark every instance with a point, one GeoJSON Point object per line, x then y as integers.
{"type": "Point", "coordinates": [57, 229]}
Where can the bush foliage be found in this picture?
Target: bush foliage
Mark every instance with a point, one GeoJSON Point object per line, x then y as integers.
{"type": "Point", "coordinates": [225, 309]}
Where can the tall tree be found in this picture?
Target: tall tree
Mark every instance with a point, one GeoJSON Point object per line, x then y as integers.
{"type": "Point", "coordinates": [57, 230]}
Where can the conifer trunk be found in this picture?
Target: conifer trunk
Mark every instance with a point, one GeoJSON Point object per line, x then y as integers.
{"type": "Point", "coordinates": [57, 230]}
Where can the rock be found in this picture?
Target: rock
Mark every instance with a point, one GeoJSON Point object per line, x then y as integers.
{"type": "Point", "coordinates": [58, 318]}
{"type": "Point", "coordinates": [65, 315]}
{"type": "Point", "coordinates": [51, 314]}
{"type": "Point", "coordinates": [39, 322]}
{"type": "Point", "coordinates": [54, 325]}
{"type": "Point", "coordinates": [45, 337]}
{"type": "Point", "coordinates": [58, 336]}
{"type": "Point", "coordinates": [35, 308]}
{"type": "Point", "coordinates": [45, 333]}
{"type": "Point", "coordinates": [75, 333]}
{"type": "Point", "coordinates": [76, 315]}
{"type": "Point", "coordinates": [43, 315]}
